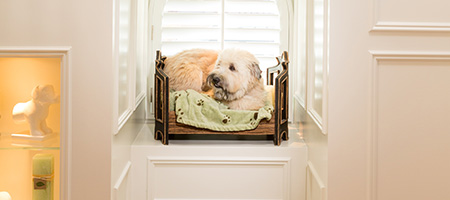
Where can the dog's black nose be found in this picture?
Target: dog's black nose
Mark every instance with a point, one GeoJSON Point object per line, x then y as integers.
{"type": "Point", "coordinates": [215, 80]}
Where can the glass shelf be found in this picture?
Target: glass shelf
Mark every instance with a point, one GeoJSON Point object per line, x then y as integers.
{"type": "Point", "coordinates": [7, 142]}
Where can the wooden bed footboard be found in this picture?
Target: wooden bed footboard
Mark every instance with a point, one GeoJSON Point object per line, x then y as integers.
{"type": "Point", "coordinates": [277, 127]}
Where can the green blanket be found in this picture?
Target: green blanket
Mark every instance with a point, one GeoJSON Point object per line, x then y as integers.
{"type": "Point", "coordinates": [199, 110]}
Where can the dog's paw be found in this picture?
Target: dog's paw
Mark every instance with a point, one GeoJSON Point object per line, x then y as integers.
{"type": "Point", "coordinates": [220, 94]}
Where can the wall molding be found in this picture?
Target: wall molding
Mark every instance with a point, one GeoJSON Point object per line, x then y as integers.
{"type": "Point", "coordinates": [377, 56]}
{"type": "Point", "coordinates": [122, 176]}
{"type": "Point", "coordinates": [154, 162]}
{"type": "Point", "coordinates": [313, 175]}
{"type": "Point", "coordinates": [404, 26]}
{"type": "Point", "coordinates": [410, 26]}
{"type": "Point", "coordinates": [319, 118]}
{"type": "Point", "coordinates": [120, 189]}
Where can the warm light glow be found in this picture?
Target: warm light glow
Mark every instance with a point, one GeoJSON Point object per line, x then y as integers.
{"type": "Point", "coordinates": [18, 77]}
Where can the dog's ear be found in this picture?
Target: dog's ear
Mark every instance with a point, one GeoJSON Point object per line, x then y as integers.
{"type": "Point", "coordinates": [255, 70]}
{"type": "Point", "coordinates": [35, 93]}
{"type": "Point", "coordinates": [207, 84]}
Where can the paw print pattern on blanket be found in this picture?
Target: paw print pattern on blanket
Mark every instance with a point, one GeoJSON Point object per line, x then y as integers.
{"type": "Point", "coordinates": [253, 120]}
{"type": "Point", "coordinates": [200, 102]}
{"type": "Point", "coordinates": [180, 114]}
{"type": "Point", "coordinates": [226, 119]}
{"type": "Point", "coordinates": [196, 109]}
{"type": "Point", "coordinates": [177, 95]}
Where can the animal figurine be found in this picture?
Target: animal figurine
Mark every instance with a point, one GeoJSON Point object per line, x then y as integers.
{"type": "Point", "coordinates": [35, 111]}
{"type": "Point", "coordinates": [5, 196]}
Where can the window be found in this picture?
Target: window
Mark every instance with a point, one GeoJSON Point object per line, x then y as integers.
{"type": "Point", "coordinates": [253, 25]}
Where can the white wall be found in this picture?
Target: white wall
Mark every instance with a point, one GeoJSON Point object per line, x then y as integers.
{"type": "Point", "coordinates": [86, 26]}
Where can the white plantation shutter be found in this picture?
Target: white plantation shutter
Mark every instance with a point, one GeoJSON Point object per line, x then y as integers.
{"type": "Point", "coordinates": [253, 25]}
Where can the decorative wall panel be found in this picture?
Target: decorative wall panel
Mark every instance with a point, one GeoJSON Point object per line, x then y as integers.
{"type": "Point", "coordinates": [209, 178]}
{"type": "Point", "coordinates": [315, 189]}
{"type": "Point", "coordinates": [429, 15]}
{"type": "Point", "coordinates": [410, 126]}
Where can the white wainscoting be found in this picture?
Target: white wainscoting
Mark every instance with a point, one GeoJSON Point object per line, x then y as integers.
{"type": "Point", "coordinates": [204, 178]}
{"type": "Point", "coordinates": [315, 188]}
{"type": "Point", "coordinates": [122, 186]}
{"type": "Point", "coordinates": [409, 132]}
{"type": "Point", "coordinates": [429, 15]}
{"type": "Point", "coordinates": [213, 169]}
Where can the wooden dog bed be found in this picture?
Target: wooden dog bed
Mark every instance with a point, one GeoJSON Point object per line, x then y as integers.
{"type": "Point", "coordinates": [277, 127]}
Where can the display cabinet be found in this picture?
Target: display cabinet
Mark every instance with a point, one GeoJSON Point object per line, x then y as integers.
{"type": "Point", "coordinates": [33, 123]}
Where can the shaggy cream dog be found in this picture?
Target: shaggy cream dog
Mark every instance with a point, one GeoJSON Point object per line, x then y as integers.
{"type": "Point", "coordinates": [189, 69]}
{"type": "Point", "coordinates": [232, 76]}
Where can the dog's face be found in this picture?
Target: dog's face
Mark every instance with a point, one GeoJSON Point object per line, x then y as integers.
{"type": "Point", "coordinates": [236, 72]}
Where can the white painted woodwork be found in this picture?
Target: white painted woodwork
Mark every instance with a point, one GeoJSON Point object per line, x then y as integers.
{"type": "Point", "coordinates": [317, 62]}
{"type": "Point", "coordinates": [433, 15]}
{"type": "Point", "coordinates": [121, 189]}
{"type": "Point", "coordinates": [401, 129]}
{"type": "Point", "coordinates": [130, 59]}
{"type": "Point", "coordinates": [388, 100]}
{"type": "Point", "coordinates": [121, 154]}
{"type": "Point", "coordinates": [193, 169]}
{"type": "Point", "coordinates": [315, 188]}
{"type": "Point", "coordinates": [229, 178]}
{"type": "Point", "coordinates": [311, 90]}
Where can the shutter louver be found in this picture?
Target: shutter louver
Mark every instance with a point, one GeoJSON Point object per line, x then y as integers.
{"type": "Point", "coordinates": [253, 25]}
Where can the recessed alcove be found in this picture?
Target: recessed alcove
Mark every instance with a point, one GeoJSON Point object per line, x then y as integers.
{"type": "Point", "coordinates": [24, 72]}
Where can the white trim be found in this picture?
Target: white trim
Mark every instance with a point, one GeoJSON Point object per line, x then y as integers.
{"type": "Point", "coordinates": [115, 61]}
{"type": "Point", "coordinates": [122, 176]}
{"type": "Point", "coordinates": [64, 53]}
{"type": "Point", "coordinates": [153, 162]}
{"type": "Point", "coordinates": [312, 172]}
{"type": "Point", "coordinates": [134, 97]}
{"type": "Point", "coordinates": [300, 101]}
{"type": "Point", "coordinates": [326, 65]}
{"type": "Point", "coordinates": [222, 25]}
{"type": "Point", "coordinates": [139, 99]}
{"type": "Point", "coordinates": [316, 118]}
{"type": "Point", "coordinates": [319, 118]}
{"type": "Point", "coordinates": [409, 55]}
{"type": "Point", "coordinates": [372, 166]}
{"type": "Point", "coordinates": [410, 26]}
{"type": "Point", "coordinates": [123, 119]}
{"type": "Point", "coordinates": [404, 26]}
{"type": "Point", "coordinates": [300, 62]}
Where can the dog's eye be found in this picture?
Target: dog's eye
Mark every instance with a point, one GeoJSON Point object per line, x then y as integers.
{"type": "Point", "coordinates": [232, 67]}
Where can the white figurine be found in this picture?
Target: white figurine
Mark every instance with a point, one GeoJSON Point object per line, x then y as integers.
{"type": "Point", "coordinates": [5, 196]}
{"type": "Point", "coordinates": [35, 111]}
